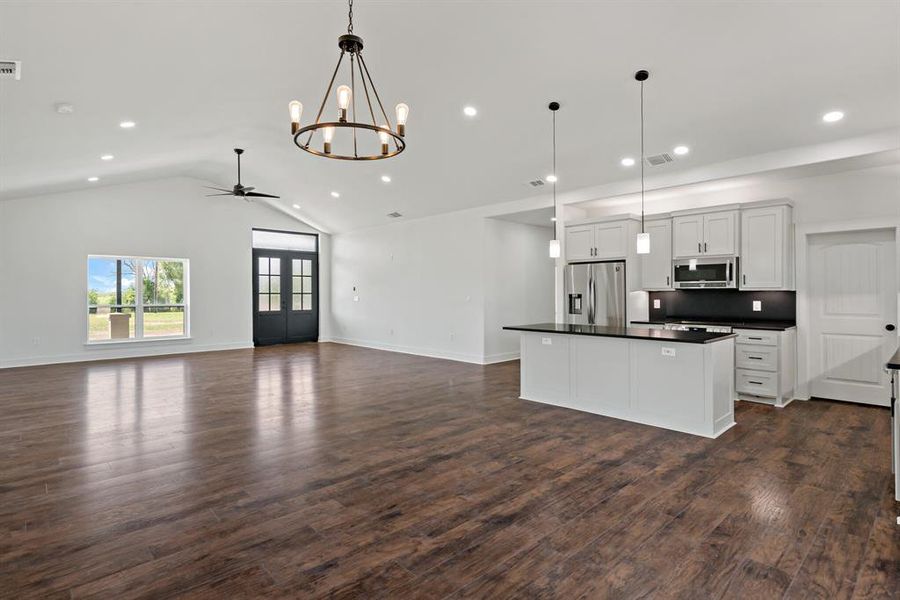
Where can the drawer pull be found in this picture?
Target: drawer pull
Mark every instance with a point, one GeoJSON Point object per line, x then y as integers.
{"type": "Point", "coordinates": [756, 382]}
{"type": "Point", "coordinates": [754, 338]}
{"type": "Point", "coordinates": [755, 357]}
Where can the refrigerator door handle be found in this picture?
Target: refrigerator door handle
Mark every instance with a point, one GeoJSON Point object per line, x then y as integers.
{"type": "Point", "coordinates": [592, 303]}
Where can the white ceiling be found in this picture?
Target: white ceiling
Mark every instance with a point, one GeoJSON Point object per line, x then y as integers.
{"type": "Point", "coordinates": [729, 79]}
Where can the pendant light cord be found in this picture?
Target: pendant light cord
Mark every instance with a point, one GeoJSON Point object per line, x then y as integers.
{"type": "Point", "coordinates": [555, 177]}
{"type": "Point", "coordinates": [642, 157]}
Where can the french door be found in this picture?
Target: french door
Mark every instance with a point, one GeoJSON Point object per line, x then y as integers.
{"type": "Point", "coordinates": [285, 296]}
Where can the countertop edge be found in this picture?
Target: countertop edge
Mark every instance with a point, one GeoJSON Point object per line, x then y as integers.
{"type": "Point", "coordinates": [650, 337]}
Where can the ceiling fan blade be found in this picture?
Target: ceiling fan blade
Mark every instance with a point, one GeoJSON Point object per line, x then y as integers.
{"type": "Point", "coordinates": [209, 187]}
{"type": "Point", "coordinates": [248, 188]}
{"type": "Point", "coordinates": [258, 195]}
{"type": "Point", "coordinates": [225, 194]}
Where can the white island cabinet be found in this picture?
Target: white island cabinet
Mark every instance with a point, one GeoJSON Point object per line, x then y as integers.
{"type": "Point", "coordinates": [682, 381]}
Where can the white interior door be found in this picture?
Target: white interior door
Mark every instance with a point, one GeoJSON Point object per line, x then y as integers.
{"type": "Point", "coordinates": [853, 303]}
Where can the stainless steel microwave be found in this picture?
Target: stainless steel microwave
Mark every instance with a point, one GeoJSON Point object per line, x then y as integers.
{"type": "Point", "coordinates": [703, 273]}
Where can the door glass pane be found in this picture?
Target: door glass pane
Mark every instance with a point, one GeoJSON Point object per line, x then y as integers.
{"type": "Point", "coordinates": [263, 265]}
{"type": "Point", "coordinates": [295, 283]}
{"type": "Point", "coordinates": [296, 303]}
{"type": "Point", "coordinates": [275, 265]}
{"type": "Point", "coordinates": [295, 266]}
{"type": "Point", "coordinates": [274, 302]}
{"type": "Point", "coordinates": [307, 266]}
{"type": "Point", "coordinates": [263, 302]}
{"type": "Point", "coordinates": [307, 301]}
{"type": "Point", "coordinates": [274, 284]}
{"type": "Point", "coordinates": [307, 285]}
{"type": "Point", "coordinates": [263, 284]}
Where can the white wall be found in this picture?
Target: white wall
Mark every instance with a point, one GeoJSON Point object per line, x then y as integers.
{"type": "Point", "coordinates": [518, 284]}
{"type": "Point", "coordinates": [419, 286]}
{"type": "Point", "coordinates": [45, 241]}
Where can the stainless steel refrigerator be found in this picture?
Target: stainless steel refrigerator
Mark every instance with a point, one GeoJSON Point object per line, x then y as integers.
{"type": "Point", "coordinates": [595, 293]}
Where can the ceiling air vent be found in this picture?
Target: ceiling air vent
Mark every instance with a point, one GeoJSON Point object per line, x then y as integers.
{"type": "Point", "coordinates": [10, 69]}
{"type": "Point", "coordinates": [394, 215]}
{"type": "Point", "coordinates": [536, 182]}
{"type": "Point", "coordinates": [659, 159]}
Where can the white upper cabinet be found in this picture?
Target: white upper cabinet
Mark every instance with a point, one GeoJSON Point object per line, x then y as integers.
{"type": "Point", "coordinates": [606, 240]}
{"type": "Point", "coordinates": [580, 242]}
{"type": "Point", "coordinates": [705, 234]}
{"type": "Point", "coordinates": [720, 233]}
{"type": "Point", "coordinates": [687, 233]}
{"type": "Point", "coordinates": [767, 248]}
{"type": "Point", "coordinates": [611, 240]}
{"type": "Point", "coordinates": [656, 267]}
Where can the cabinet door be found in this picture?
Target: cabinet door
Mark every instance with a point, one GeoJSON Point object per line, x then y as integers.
{"type": "Point", "coordinates": [579, 242]}
{"type": "Point", "coordinates": [718, 233]}
{"type": "Point", "coordinates": [611, 240]}
{"type": "Point", "coordinates": [656, 267]}
{"type": "Point", "coordinates": [687, 236]}
{"type": "Point", "coordinates": [762, 248]}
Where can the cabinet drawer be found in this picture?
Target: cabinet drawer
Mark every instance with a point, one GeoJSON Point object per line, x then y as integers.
{"type": "Point", "coordinates": [758, 383]}
{"type": "Point", "coordinates": [757, 337]}
{"type": "Point", "coordinates": [757, 357]}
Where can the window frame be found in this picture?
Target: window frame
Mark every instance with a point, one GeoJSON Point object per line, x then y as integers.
{"type": "Point", "coordinates": [139, 305]}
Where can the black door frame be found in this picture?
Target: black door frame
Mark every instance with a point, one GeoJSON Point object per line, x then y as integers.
{"type": "Point", "coordinates": [286, 256]}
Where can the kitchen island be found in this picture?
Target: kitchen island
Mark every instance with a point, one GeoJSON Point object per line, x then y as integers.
{"type": "Point", "coordinates": [679, 380]}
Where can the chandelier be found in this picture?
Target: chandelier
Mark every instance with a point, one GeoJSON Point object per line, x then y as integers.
{"type": "Point", "coordinates": [362, 134]}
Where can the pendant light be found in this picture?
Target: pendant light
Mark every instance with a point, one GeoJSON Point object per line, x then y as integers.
{"type": "Point", "coordinates": [643, 238]}
{"type": "Point", "coordinates": [552, 178]}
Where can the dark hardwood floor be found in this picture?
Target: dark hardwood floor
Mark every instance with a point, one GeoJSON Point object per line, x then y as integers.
{"type": "Point", "coordinates": [332, 471]}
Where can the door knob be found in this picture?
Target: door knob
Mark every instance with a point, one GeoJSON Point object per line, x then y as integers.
{"type": "Point", "coordinates": [890, 327]}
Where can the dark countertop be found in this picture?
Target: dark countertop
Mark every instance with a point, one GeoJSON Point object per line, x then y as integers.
{"type": "Point", "coordinates": [640, 333]}
{"type": "Point", "coordinates": [894, 361]}
{"type": "Point", "coordinates": [770, 325]}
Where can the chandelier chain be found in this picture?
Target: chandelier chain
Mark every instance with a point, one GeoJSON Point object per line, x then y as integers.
{"type": "Point", "coordinates": [350, 17]}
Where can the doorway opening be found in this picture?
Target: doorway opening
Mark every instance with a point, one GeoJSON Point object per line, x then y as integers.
{"type": "Point", "coordinates": [285, 287]}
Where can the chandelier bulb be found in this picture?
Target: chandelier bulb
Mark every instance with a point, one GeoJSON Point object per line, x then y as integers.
{"type": "Point", "coordinates": [296, 109]}
{"type": "Point", "coordinates": [402, 114]}
{"type": "Point", "coordinates": [385, 138]}
{"type": "Point", "coordinates": [327, 136]}
{"type": "Point", "coordinates": [344, 94]}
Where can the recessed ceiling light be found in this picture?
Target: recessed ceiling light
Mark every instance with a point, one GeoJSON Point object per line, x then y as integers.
{"type": "Point", "coordinates": [386, 178]}
{"type": "Point", "coordinates": [833, 116]}
{"type": "Point", "coordinates": [107, 157]}
{"type": "Point", "coordinates": [296, 206]}
{"type": "Point", "coordinates": [64, 108]}
{"type": "Point", "coordinates": [470, 111]}
{"type": "Point", "coordinates": [551, 178]}
{"type": "Point", "coordinates": [335, 194]}
{"type": "Point", "coordinates": [127, 124]}
{"type": "Point", "coordinates": [93, 179]}
{"type": "Point", "coordinates": [681, 150]}
{"type": "Point", "coordinates": [627, 162]}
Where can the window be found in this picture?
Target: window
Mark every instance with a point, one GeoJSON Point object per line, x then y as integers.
{"type": "Point", "coordinates": [269, 284]}
{"type": "Point", "coordinates": [302, 284]}
{"type": "Point", "coordinates": [132, 298]}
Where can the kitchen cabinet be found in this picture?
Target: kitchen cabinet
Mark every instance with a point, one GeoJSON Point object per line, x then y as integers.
{"type": "Point", "coordinates": [705, 234]}
{"type": "Point", "coordinates": [765, 365]}
{"type": "Point", "coordinates": [656, 267]}
{"type": "Point", "coordinates": [604, 240]}
{"type": "Point", "coordinates": [767, 257]}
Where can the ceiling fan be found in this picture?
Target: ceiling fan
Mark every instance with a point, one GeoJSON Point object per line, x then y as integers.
{"type": "Point", "coordinates": [239, 190]}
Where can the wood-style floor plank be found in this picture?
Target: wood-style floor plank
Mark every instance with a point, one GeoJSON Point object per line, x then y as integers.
{"type": "Point", "coordinates": [321, 470]}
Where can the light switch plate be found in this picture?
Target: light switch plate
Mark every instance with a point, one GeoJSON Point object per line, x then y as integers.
{"type": "Point", "coordinates": [668, 351]}
{"type": "Point", "coordinates": [656, 303]}
{"type": "Point", "coordinates": [757, 305]}
{"type": "Point", "coordinates": [547, 341]}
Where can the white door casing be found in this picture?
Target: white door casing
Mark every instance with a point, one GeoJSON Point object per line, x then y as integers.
{"type": "Point", "coordinates": [852, 297]}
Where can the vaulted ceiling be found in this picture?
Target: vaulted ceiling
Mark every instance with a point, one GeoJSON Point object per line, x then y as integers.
{"type": "Point", "coordinates": [728, 79]}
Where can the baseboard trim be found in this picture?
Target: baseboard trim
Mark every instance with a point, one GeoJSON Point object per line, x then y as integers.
{"type": "Point", "coordinates": [459, 357]}
{"type": "Point", "coordinates": [120, 353]}
{"type": "Point", "coordinates": [501, 357]}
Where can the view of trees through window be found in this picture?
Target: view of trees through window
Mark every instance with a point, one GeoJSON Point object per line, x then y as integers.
{"type": "Point", "coordinates": [135, 298]}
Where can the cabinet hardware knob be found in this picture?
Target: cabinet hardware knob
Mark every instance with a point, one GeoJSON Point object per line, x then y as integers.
{"type": "Point", "coordinates": [704, 247]}
{"type": "Point", "coordinates": [699, 248]}
{"type": "Point", "coordinates": [890, 327]}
